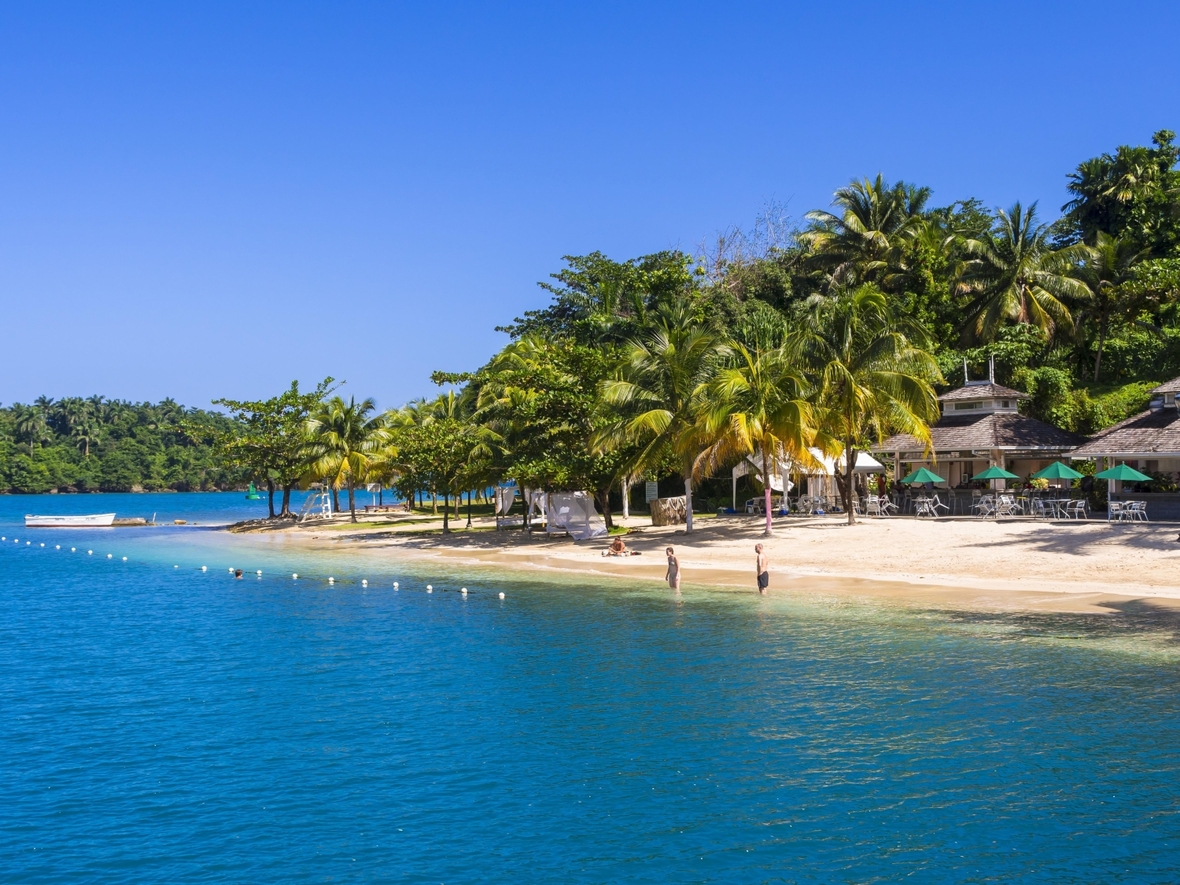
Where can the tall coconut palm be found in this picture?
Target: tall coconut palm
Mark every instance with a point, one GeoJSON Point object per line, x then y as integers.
{"type": "Point", "coordinates": [1108, 263]}
{"type": "Point", "coordinates": [1013, 275]}
{"type": "Point", "coordinates": [656, 399]}
{"type": "Point", "coordinates": [860, 241]}
{"type": "Point", "coordinates": [344, 439]}
{"type": "Point", "coordinates": [874, 377]}
{"type": "Point", "coordinates": [758, 405]}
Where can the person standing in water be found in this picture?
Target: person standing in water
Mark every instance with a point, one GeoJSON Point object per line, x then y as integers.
{"type": "Point", "coordinates": [762, 569]}
{"type": "Point", "coordinates": [673, 575]}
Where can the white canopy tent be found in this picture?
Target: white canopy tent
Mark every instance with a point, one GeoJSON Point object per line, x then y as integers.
{"type": "Point", "coordinates": [817, 474]}
{"type": "Point", "coordinates": [573, 512]}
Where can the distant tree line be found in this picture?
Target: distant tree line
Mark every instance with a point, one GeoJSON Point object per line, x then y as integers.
{"type": "Point", "coordinates": [97, 444]}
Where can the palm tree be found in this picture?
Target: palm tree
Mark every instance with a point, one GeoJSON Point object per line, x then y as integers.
{"type": "Point", "coordinates": [860, 243]}
{"type": "Point", "coordinates": [1013, 275]}
{"type": "Point", "coordinates": [656, 400]}
{"type": "Point", "coordinates": [1109, 263]}
{"type": "Point", "coordinates": [874, 377]}
{"type": "Point", "coordinates": [758, 405]}
{"type": "Point", "coordinates": [31, 424]}
{"type": "Point", "coordinates": [84, 432]}
{"type": "Point", "coordinates": [344, 441]}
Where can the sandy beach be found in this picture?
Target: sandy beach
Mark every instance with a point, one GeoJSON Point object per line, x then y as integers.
{"type": "Point", "coordinates": [1058, 566]}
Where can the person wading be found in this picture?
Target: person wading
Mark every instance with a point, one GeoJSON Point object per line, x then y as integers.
{"type": "Point", "coordinates": [673, 575]}
{"type": "Point", "coordinates": [762, 570]}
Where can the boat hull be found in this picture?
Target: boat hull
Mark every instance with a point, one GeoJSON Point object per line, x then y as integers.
{"type": "Point", "coordinates": [93, 520]}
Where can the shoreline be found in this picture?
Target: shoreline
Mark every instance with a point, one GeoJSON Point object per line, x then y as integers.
{"type": "Point", "coordinates": [1082, 567]}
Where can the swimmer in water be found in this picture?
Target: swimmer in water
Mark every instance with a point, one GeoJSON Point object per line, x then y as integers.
{"type": "Point", "coordinates": [238, 574]}
{"type": "Point", "coordinates": [673, 574]}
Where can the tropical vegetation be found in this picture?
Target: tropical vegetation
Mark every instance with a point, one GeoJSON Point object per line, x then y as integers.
{"type": "Point", "coordinates": [788, 341]}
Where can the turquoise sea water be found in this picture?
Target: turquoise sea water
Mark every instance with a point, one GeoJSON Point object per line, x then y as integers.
{"type": "Point", "coordinates": [164, 724]}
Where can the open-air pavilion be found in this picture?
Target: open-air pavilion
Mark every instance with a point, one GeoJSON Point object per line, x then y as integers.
{"type": "Point", "coordinates": [980, 427]}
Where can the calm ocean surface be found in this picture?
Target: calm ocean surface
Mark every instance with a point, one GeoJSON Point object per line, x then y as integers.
{"type": "Point", "coordinates": [162, 724]}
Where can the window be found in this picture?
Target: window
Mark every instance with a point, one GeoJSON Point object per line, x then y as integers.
{"type": "Point", "coordinates": [962, 407]}
{"type": "Point", "coordinates": [1004, 404]}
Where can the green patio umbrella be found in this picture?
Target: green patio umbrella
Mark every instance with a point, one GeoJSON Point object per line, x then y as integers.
{"type": "Point", "coordinates": [1057, 470]}
{"type": "Point", "coordinates": [994, 473]}
{"type": "Point", "coordinates": [922, 475]}
{"type": "Point", "coordinates": [1123, 472]}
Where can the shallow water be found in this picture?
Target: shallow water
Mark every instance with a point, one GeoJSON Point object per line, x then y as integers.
{"type": "Point", "coordinates": [160, 723]}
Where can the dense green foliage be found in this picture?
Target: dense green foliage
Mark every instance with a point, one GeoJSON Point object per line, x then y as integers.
{"type": "Point", "coordinates": [97, 444]}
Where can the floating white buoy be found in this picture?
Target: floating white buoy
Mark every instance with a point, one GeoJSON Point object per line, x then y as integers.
{"type": "Point", "coordinates": [176, 566]}
{"type": "Point", "coordinates": [57, 547]}
{"type": "Point", "coordinates": [395, 585]}
{"type": "Point", "coordinates": [259, 573]}
{"type": "Point", "coordinates": [89, 552]}
{"type": "Point", "coordinates": [231, 571]}
{"type": "Point", "coordinates": [204, 568]}
{"type": "Point", "coordinates": [42, 545]}
{"type": "Point", "coordinates": [331, 580]}
{"type": "Point", "coordinates": [429, 587]}
{"type": "Point", "coordinates": [73, 549]}
{"type": "Point", "coordinates": [3, 538]}
{"type": "Point", "coordinates": [295, 576]}
{"type": "Point", "coordinates": [27, 543]}
{"type": "Point", "coordinates": [501, 595]}
{"type": "Point", "coordinates": [464, 591]}
{"type": "Point", "coordinates": [364, 583]}
{"type": "Point", "coordinates": [124, 558]}
{"type": "Point", "coordinates": [110, 556]}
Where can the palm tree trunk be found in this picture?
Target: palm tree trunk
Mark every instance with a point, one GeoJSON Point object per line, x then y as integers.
{"type": "Point", "coordinates": [335, 498]}
{"type": "Point", "coordinates": [1098, 356]}
{"type": "Point", "coordinates": [849, 469]}
{"type": "Point", "coordinates": [351, 501]}
{"type": "Point", "coordinates": [468, 509]}
{"type": "Point", "coordinates": [688, 498]}
{"type": "Point", "coordinates": [270, 496]}
{"type": "Point", "coordinates": [769, 530]}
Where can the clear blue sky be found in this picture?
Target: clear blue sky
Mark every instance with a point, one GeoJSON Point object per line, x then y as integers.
{"type": "Point", "coordinates": [204, 200]}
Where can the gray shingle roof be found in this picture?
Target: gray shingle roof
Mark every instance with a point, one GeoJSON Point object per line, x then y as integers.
{"type": "Point", "coordinates": [999, 430]}
{"type": "Point", "coordinates": [983, 391]}
{"type": "Point", "coordinates": [1172, 386]}
{"type": "Point", "coordinates": [1148, 433]}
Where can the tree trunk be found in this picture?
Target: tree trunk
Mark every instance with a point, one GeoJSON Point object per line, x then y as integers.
{"type": "Point", "coordinates": [688, 498]}
{"type": "Point", "coordinates": [446, 512]}
{"type": "Point", "coordinates": [381, 496]}
{"type": "Point", "coordinates": [434, 503]}
{"type": "Point", "coordinates": [603, 496]}
{"type": "Point", "coordinates": [335, 498]}
{"type": "Point", "coordinates": [1098, 356]}
{"type": "Point", "coordinates": [849, 469]}
{"type": "Point", "coordinates": [468, 509]}
{"type": "Point", "coordinates": [351, 502]}
{"type": "Point", "coordinates": [769, 530]}
{"type": "Point", "coordinates": [286, 508]}
{"type": "Point", "coordinates": [270, 496]}
{"type": "Point", "coordinates": [626, 499]}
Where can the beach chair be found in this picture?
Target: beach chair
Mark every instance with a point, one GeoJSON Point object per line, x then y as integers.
{"type": "Point", "coordinates": [985, 506]}
{"type": "Point", "coordinates": [1076, 509]}
{"type": "Point", "coordinates": [1136, 510]}
{"type": "Point", "coordinates": [1114, 510]}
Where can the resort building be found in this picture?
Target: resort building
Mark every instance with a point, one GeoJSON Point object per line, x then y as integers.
{"type": "Point", "coordinates": [981, 427]}
{"type": "Point", "coordinates": [1149, 442]}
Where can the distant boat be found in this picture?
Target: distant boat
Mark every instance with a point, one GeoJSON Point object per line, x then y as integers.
{"type": "Point", "coordinates": [252, 494]}
{"type": "Point", "coordinates": [100, 520]}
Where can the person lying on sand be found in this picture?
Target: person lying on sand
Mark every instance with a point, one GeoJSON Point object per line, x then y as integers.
{"type": "Point", "coordinates": [619, 548]}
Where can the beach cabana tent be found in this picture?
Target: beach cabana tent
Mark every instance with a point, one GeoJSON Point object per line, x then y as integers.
{"type": "Point", "coordinates": [573, 512]}
{"type": "Point", "coordinates": [753, 464]}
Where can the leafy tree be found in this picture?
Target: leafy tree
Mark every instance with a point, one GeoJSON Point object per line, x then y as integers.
{"type": "Point", "coordinates": [1132, 195]}
{"type": "Point", "coordinates": [269, 439]}
{"type": "Point", "coordinates": [1104, 268]}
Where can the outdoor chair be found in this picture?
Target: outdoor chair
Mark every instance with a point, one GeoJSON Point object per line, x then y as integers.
{"type": "Point", "coordinates": [1114, 510]}
{"type": "Point", "coordinates": [1076, 509]}
{"type": "Point", "coordinates": [929, 507]}
{"type": "Point", "coordinates": [1136, 510]}
{"type": "Point", "coordinates": [985, 506]}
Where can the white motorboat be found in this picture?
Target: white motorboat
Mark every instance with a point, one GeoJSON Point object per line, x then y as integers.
{"type": "Point", "coordinates": [93, 520]}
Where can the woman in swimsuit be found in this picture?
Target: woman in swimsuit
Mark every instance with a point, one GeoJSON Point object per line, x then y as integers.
{"type": "Point", "coordinates": [673, 575]}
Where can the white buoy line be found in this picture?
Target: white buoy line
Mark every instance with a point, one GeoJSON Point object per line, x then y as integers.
{"type": "Point", "coordinates": [364, 582]}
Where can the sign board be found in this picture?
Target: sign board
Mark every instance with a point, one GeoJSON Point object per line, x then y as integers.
{"type": "Point", "coordinates": [651, 491]}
